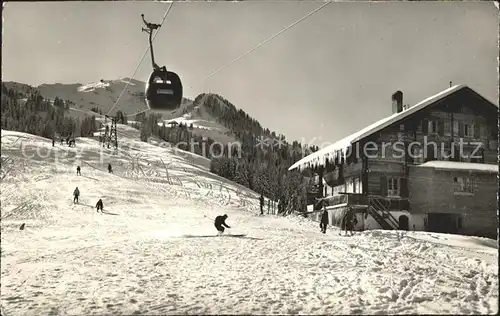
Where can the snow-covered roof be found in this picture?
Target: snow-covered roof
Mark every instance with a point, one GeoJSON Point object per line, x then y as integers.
{"type": "Point", "coordinates": [341, 146]}
{"type": "Point", "coordinates": [454, 165]}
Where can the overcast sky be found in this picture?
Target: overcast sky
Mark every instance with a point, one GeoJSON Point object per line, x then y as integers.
{"type": "Point", "coordinates": [325, 78]}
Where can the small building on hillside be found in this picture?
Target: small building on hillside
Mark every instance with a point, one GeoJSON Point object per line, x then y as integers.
{"type": "Point", "coordinates": [432, 166]}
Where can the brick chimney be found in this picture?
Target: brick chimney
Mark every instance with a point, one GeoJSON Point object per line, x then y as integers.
{"type": "Point", "coordinates": [397, 102]}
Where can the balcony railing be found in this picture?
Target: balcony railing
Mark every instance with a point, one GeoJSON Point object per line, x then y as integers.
{"type": "Point", "coordinates": [361, 199]}
{"type": "Point", "coordinates": [349, 199]}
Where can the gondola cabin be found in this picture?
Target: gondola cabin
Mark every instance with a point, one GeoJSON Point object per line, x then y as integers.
{"type": "Point", "coordinates": [163, 91]}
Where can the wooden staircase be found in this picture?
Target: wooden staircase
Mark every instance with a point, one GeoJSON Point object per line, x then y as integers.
{"type": "Point", "coordinates": [377, 208]}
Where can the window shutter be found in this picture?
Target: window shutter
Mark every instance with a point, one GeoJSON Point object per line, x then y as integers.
{"type": "Point", "coordinates": [383, 186]}
{"type": "Point", "coordinates": [460, 129]}
{"type": "Point", "coordinates": [441, 128]}
{"type": "Point", "coordinates": [425, 126]}
{"type": "Point", "coordinates": [404, 187]}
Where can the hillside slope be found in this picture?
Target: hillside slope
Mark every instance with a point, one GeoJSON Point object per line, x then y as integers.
{"type": "Point", "coordinates": [152, 251]}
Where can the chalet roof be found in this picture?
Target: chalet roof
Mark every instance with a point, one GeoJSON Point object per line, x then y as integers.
{"type": "Point", "coordinates": [454, 165]}
{"type": "Point", "coordinates": [341, 146]}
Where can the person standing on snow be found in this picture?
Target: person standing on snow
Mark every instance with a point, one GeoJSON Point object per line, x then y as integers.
{"type": "Point", "coordinates": [78, 173]}
{"type": "Point", "coordinates": [261, 204]}
{"type": "Point", "coordinates": [349, 220]}
{"type": "Point", "coordinates": [324, 221]}
{"type": "Point", "coordinates": [99, 205]}
{"type": "Point", "coordinates": [220, 223]}
{"type": "Point", "coordinates": [110, 170]}
{"type": "Point", "coordinates": [76, 194]}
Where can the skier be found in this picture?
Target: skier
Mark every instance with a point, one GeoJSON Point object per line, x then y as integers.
{"type": "Point", "coordinates": [76, 193]}
{"type": "Point", "coordinates": [220, 223]}
{"type": "Point", "coordinates": [324, 221]}
{"type": "Point", "coordinates": [99, 205]}
{"type": "Point", "coordinates": [261, 204]}
{"type": "Point", "coordinates": [78, 171]}
{"type": "Point", "coordinates": [62, 141]}
{"type": "Point", "coordinates": [349, 220]}
{"type": "Point", "coordinates": [110, 170]}
{"type": "Point", "coordinates": [53, 142]}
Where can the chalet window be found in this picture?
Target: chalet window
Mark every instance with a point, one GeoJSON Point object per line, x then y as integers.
{"type": "Point", "coordinates": [400, 136]}
{"type": "Point", "coordinates": [401, 127]}
{"type": "Point", "coordinates": [425, 126]}
{"type": "Point", "coordinates": [482, 131]}
{"type": "Point", "coordinates": [433, 127]}
{"type": "Point", "coordinates": [461, 129]}
{"type": "Point", "coordinates": [357, 185]}
{"type": "Point", "coordinates": [349, 186]}
{"type": "Point", "coordinates": [455, 128]}
{"type": "Point", "coordinates": [463, 185]}
{"type": "Point", "coordinates": [476, 130]}
{"type": "Point", "coordinates": [393, 186]}
{"type": "Point", "coordinates": [447, 128]}
{"type": "Point", "coordinates": [418, 155]}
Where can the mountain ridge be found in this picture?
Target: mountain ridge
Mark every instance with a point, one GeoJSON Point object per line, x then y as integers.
{"type": "Point", "coordinates": [208, 119]}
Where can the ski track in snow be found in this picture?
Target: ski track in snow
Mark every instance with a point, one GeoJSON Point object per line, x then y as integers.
{"type": "Point", "coordinates": [135, 258]}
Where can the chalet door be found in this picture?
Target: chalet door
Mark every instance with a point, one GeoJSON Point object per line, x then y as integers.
{"type": "Point", "coordinates": [403, 222]}
{"type": "Point", "coordinates": [430, 153]}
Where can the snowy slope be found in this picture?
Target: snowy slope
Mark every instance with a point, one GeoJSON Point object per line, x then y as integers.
{"type": "Point", "coordinates": [153, 251]}
{"type": "Point", "coordinates": [187, 119]}
{"type": "Point", "coordinates": [204, 124]}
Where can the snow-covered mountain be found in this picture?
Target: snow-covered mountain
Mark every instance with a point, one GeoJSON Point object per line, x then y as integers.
{"type": "Point", "coordinates": [154, 250]}
{"type": "Point", "coordinates": [101, 94]}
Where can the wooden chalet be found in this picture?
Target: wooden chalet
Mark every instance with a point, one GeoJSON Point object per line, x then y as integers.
{"type": "Point", "coordinates": [436, 172]}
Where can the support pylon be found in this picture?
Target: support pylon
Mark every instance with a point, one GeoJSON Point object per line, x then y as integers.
{"type": "Point", "coordinates": [110, 134]}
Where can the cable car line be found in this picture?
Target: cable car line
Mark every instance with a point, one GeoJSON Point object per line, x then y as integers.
{"type": "Point", "coordinates": [267, 40]}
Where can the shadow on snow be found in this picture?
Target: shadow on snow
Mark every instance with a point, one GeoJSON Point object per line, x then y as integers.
{"type": "Point", "coordinates": [243, 236]}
